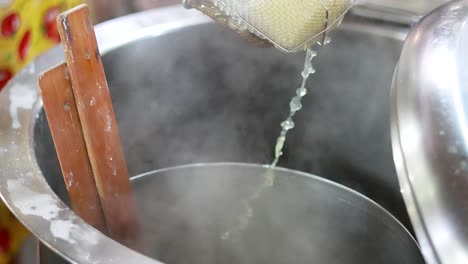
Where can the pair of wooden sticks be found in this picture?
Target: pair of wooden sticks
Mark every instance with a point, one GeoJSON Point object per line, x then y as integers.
{"type": "Point", "coordinates": [79, 110]}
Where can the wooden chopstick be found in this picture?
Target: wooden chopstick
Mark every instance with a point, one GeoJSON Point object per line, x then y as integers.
{"type": "Point", "coordinates": [99, 126]}
{"type": "Point", "coordinates": [62, 115]}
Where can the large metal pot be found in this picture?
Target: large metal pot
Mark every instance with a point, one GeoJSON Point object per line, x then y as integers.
{"type": "Point", "coordinates": [185, 91]}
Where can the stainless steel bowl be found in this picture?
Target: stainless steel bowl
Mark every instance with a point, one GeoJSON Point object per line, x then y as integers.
{"type": "Point", "coordinates": [429, 131]}
{"type": "Point", "coordinates": [187, 91]}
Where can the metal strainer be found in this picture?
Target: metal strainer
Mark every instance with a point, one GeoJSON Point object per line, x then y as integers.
{"type": "Point", "coordinates": [290, 25]}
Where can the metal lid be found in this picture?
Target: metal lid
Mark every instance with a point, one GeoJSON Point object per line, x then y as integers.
{"type": "Point", "coordinates": [430, 133]}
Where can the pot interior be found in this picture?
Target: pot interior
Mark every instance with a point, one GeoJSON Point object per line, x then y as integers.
{"type": "Point", "coordinates": [202, 94]}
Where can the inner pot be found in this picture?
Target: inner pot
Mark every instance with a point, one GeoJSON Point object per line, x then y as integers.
{"type": "Point", "coordinates": [187, 211]}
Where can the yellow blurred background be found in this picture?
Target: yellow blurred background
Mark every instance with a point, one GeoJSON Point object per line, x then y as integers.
{"type": "Point", "coordinates": [28, 28]}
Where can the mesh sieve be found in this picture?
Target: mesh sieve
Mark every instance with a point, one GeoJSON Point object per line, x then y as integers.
{"type": "Point", "coordinates": [290, 25]}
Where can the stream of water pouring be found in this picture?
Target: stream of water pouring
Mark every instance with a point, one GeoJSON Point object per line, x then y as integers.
{"type": "Point", "coordinates": [295, 105]}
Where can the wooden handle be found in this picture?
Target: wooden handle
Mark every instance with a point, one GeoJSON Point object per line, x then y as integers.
{"type": "Point", "coordinates": [64, 122]}
{"type": "Point", "coordinates": [99, 125]}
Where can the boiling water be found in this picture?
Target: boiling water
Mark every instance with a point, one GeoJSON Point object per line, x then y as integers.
{"type": "Point", "coordinates": [295, 105]}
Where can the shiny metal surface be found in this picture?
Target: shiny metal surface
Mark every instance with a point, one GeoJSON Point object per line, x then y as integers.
{"type": "Point", "coordinates": [298, 220]}
{"type": "Point", "coordinates": [176, 112]}
{"type": "Point", "coordinates": [429, 131]}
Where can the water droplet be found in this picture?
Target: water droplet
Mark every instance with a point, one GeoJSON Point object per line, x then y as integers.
{"type": "Point", "coordinates": [311, 53]}
{"type": "Point", "coordinates": [301, 91]}
{"type": "Point", "coordinates": [287, 125]}
{"type": "Point", "coordinates": [66, 107]}
{"type": "Point", "coordinates": [295, 104]}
